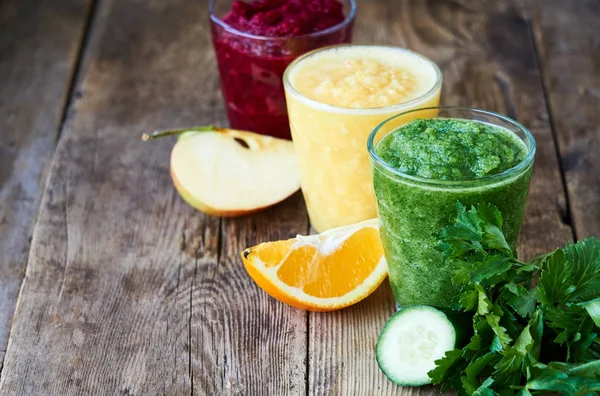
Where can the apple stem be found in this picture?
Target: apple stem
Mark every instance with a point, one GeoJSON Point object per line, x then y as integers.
{"type": "Point", "coordinates": [176, 132]}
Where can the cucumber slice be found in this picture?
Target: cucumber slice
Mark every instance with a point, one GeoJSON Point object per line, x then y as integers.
{"type": "Point", "coordinates": [410, 343]}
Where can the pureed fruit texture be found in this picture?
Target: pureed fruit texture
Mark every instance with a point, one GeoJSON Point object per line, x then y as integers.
{"type": "Point", "coordinates": [251, 69]}
{"type": "Point", "coordinates": [413, 212]}
{"type": "Point", "coordinates": [336, 97]}
{"type": "Point", "coordinates": [284, 18]}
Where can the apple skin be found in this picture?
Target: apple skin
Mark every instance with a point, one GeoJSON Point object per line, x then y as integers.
{"type": "Point", "coordinates": [248, 140]}
{"type": "Point", "coordinates": [201, 206]}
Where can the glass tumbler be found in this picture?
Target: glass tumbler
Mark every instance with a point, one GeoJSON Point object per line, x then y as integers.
{"type": "Point", "coordinates": [413, 210]}
{"type": "Point", "coordinates": [251, 68]}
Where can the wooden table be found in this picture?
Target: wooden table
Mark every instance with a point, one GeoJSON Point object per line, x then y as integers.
{"type": "Point", "coordinates": [110, 284]}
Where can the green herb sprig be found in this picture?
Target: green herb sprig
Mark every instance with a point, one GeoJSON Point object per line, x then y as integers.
{"type": "Point", "coordinates": [535, 324]}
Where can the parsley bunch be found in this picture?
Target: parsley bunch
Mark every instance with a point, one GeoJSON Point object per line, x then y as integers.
{"type": "Point", "coordinates": [535, 324]}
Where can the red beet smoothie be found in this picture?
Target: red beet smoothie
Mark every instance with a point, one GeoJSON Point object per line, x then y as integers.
{"type": "Point", "coordinates": [284, 18]}
{"type": "Point", "coordinates": [251, 68]}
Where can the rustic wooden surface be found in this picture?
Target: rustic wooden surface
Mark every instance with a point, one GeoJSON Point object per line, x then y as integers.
{"type": "Point", "coordinates": [569, 47]}
{"type": "Point", "coordinates": [39, 44]}
{"type": "Point", "coordinates": [491, 44]}
{"type": "Point", "coordinates": [129, 291]}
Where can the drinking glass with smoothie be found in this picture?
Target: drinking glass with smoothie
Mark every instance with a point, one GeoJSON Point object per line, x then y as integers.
{"type": "Point", "coordinates": [422, 167]}
{"type": "Point", "coordinates": [256, 40]}
{"type": "Point", "coordinates": [335, 97]}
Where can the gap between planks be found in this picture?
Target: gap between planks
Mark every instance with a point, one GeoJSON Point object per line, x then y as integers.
{"type": "Point", "coordinates": [78, 69]}
{"type": "Point", "coordinates": [66, 100]}
{"type": "Point", "coordinates": [568, 215]}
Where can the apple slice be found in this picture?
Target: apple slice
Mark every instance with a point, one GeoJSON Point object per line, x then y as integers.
{"type": "Point", "coordinates": [226, 172]}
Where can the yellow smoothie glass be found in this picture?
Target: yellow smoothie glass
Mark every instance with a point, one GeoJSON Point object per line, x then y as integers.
{"type": "Point", "coordinates": [335, 97]}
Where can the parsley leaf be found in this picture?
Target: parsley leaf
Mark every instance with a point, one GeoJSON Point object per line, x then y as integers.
{"type": "Point", "coordinates": [593, 309]}
{"type": "Point", "coordinates": [584, 256]}
{"type": "Point", "coordinates": [489, 267]}
{"type": "Point", "coordinates": [484, 389]}
{"type": "Point", "coordinates": [494, 322]}
{"type": "Point", "coordinates": [556, 279]}
{"type": "Point", "coordinates": [582, 379]}
{"type": "Point", "coordinates": [535, 324]}
{"type": "Point", "coordinates": [448, 369]}
{"type": "Point", "coordinates": [483, 302]}
{"type": "Point", "coordinates": [523, 301]}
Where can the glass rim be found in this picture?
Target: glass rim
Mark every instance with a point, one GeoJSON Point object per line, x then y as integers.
{"type": "Point", "coordinates": [489, 179]}
{"type": "Point", "coordinates": [347, 20]}
{"type": "Point", "coordinates": [356, 110]}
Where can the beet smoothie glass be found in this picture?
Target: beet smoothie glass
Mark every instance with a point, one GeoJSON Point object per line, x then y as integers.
{"type": "Point", "coordinates": [251, 64]}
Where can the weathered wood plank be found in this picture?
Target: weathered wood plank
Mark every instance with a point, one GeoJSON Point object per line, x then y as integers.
{"type": "Point", "coordinates": [111, 305]}
{"type": "Point", "coordinates": [487, 58]}
{"type": "Point", "coordinates": [569, 49]}
{"type": "Point", "coordinates": [245, 342]}
{"type": "Point", "coordinates": [106, 303]}
{"type": "Point", "coordinates": [189, 296]}
{"type": "Point", "coordinates": [39, 45]}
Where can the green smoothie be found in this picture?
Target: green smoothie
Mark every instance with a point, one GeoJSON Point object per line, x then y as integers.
{"type": "Point", "coordinates": [421, 169]}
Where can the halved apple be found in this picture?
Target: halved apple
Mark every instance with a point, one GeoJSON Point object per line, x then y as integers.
{"type": "Point", "coordinates": [226, 172]}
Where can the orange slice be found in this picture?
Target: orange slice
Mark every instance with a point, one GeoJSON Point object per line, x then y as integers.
{"type": "Point", "coordinates": [322, 272]}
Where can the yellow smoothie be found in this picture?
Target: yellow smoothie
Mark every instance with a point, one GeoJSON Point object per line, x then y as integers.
{"type": "Point", "coordinates": [336, 96]}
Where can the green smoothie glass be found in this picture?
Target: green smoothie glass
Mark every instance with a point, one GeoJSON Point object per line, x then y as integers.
{"type": "Point", "coordinates": [413, 209]}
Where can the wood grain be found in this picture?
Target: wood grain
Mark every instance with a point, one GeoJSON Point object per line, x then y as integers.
{"type": "Point", "coordinates": [39, 45]}
{"type": "Point", "coordinates": [245, 342]}
{"type": "Point", "coordinates": [487, 58]}
{"type": "Point", "coordinates": [129, 291]}
{"type": "Point", "coordinates": [105, 307]}
{"type": "Point", "coordinates": [569, 49]}
{"type": "Point", "coordinates": [125, 291]}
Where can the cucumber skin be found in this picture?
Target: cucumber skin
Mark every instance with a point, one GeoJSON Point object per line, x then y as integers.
{"type": "Point", "coordinates": [390, 321]}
